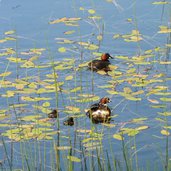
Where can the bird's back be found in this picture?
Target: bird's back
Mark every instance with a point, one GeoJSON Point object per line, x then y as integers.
{"type": "Point", "coordinates": [96, 65]}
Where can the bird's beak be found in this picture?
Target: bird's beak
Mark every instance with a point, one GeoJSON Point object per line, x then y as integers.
{"type": "Point", "coordinates": [111, 57]}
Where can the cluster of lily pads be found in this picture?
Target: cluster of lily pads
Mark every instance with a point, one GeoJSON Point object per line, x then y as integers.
{"type": "Point", "coordinates": [30, 97]}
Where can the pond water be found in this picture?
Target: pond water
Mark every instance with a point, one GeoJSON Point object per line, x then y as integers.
{"type": "Point", "coordinates": [41, 38]}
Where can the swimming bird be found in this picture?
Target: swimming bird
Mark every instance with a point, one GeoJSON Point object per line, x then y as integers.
{"type": "Point", "coordinates": [100, 112]}
{"type": "Point", "coordinates": [69, 121]}
{"type": "Point", "coordinates": [53, 114]}
{"type": "Point", "coordinates": [102, 64]}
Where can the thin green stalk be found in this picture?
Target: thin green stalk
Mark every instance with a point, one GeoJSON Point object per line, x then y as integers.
{"type": "Point", "coordinates": [136, 156]}
{"type": "Point", "coordinates": [108, 162]}
{"type": "Point", "coordinates": [6, 153]}
{"type": "Point", "coordinates": [125, 155]}
{"type": "Point", "coordinates": [99, 163]}
{"type": "Point", "coordinates": [28, 167]}
{"type": "Point", "coordinates": [167, 154]}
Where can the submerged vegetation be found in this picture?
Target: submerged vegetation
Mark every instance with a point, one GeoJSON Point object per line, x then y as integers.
{"type": "Point", "coordinates": [45, 95]}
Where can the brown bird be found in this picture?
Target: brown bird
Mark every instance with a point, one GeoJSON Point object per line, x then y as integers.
{"type": "Point", "coordinates": [102, 64]}
{"type": "Point", "coordinates": [100, 112]}
{"type": "Point", "coordinates": [69, 121]}
{"type": "Point", "coordinates": [53, 114]}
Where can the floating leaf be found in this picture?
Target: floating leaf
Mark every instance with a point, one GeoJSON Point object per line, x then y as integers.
{"type": "Point", "coordinates": [89, 139]}
{"type": "Point", "coordinates": [129, 19]}
{"type": "Point", "coordinates": [165, 132]}
{"type": "Point", "coordinates": [3, 54]}
{"type": "Point", "coordinates": [167, 127]}
{"type": "Point", "coordinates": [30, 118]}
{"type": "Point", "coordinates": [101, 72]}
{"type": "Point", "coordinates": [91, 11]}
{"type": "Point", "coordinates": [88, 45]}
{"type": "Point", "coordinates": [138, 120]}
{"type": "Point", "coordinates": [66, 41]}
{"type": "Point", "coordinates": [72, 109]}
{"type": "Point", "coordinates": [62, 49]}
{"type": "Point", "coordinates": [58, 20]}
{"type": "Point", "coordinates": [118, 137]}
{"type": "Point", "coordinates": [132, 98]}
{"type": "Point", "coordinates": [85, 100]}
{"type": "Point", "coordinates": [33, 99]}
{"type": "Point", "coordinates": [129, 131]}
{"type": "Point", "coordinates": [131, 70]}
{"type": "Point", "coordinates": [164, 99]}
{"type": "Point", "coordinates": [81, 8]}
{"type": "Point", "coordinates": [164, 29]}
{"type": "Point", "coordinates": [99, 37]}
{"type": "Point", "coordinates": [75, 89]}
{"type": "Point", "coordinates": [5, 74]}
{"type": "Point", "coordinates": [33, 58]}
{"type": "Point", "coordinates": [165, 62]}
{"type": "Point", "coordinates": [86, 95]}
{"type": "Point", "coordinates": [2, 40]}
{"type": "Point", "coordinates": [9, 32]}
{"type": "Point", "coordinates": [53, 75]}
{"type": "Point", "coordinates": [62, 67]}
{"type": "Point", "coordinates": [116, 36]}
{"type": "Point", "coordinates": [160, 2]}
{"type": "Point", "coordinates": [160, 119]}
{"type": "Point", "coordinates": [32, 85]}
{"type": "Point", "coordinates": [8, 94]}
{"type": "Point", "coordinates": [164, 113]}
{"type": "Point", "coordinates": [95, 17]}
{"type": "Point", "coordinates": [135, 36]}
{"type": "Point", "coordinates": [153, 101]}
{"type": "Point", "coordinates": [158, 106]}
{"type": "Point", "coordinates": [4, 116]}
{"type": "Point", "coordinates": [63, 148]}
{"type": "Point", "coordinates": [2, 111]}
{"type": "Point", "coordinates": [46, 104]}
{"type": "Point", "coordinates": [83, 65]}
{"type": "Point", "coordinates": [6, 125]}
{"type": "Point", "coordinates": [84, 130]}
{"type": "Point", "coordinates": [65, 20]}
{"type": "Point", "coordinates": [70, 77]}
{"type": "Point", "coordinates": [16, 60]}
{"type": "Point", "coordinates": [10, 38]}
{"type": "Point", "coordinates": [142, 128]}
{"type": "Point", "coordinates": [133, 132]}
{"type": "Point", "coordinates": [43, 90]}
{"type": "Point", "coordinates": [92, 143]}
{"type": "Point", "coordinates": [5, 83]}
{"type": "Point", "coordinates": [45, 110]}
{"type": "Point", "coordinates": [137, 93]}
{"type": "Point", "coordinates": [73, 159]}
{"type": "Point", "coordinates": [109, 125]}
{"type": "Point", "coordinates": [106, 86]}
{"type": "Point", "coordinates": [69, 32]}
{"type": "Point", "coordinates": [168, 45]}
{"type": "Point", "coordinates": [127, 90]}
{"type": "Point", "coordinates": [28, 64]}
{"type": "Point", "coordinates": [112, 91]}
{"type": "Point", "coordinates": [18, 105]}
{"type": "Point", "coordinates": [19, 86]}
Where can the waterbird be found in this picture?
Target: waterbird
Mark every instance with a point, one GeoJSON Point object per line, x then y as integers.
{"type": "Point", "coordinates": [53, 114]}
{"type": "Point", "coordinates": [102, 64]}
{"type": "Point", "coordinates": [69, 121]}
{"type": "Point", "coordinates": [100, 112]}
